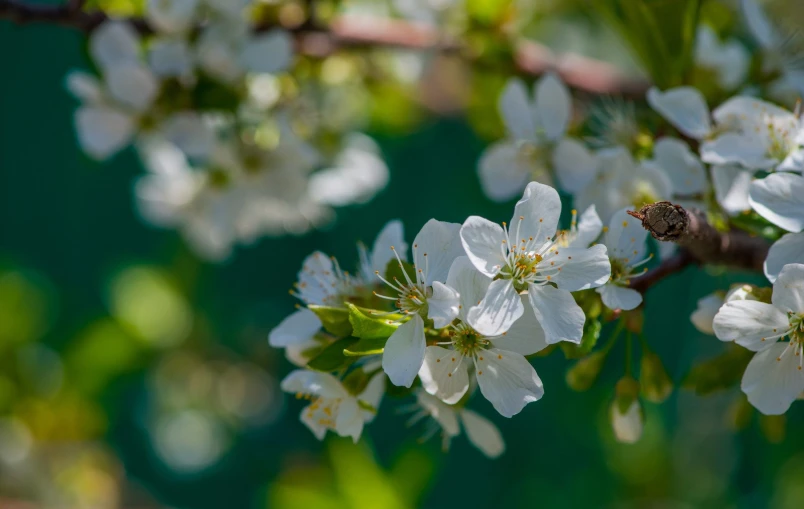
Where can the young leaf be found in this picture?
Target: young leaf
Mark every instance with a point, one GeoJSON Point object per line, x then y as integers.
{"type": "Point", "coordinates": [368, 346]}
{"type": "Point", "coordinates": [368, 327]}
{"type": "Point", "coordinates": [332, 357]}
{"type": "Point", "coordinates": [334, 320]}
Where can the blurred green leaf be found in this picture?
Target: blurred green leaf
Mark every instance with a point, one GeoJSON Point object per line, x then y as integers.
{"type": "Point", "coordinates": [335, 320]}
{"type": "Point", "coordinates": [332, 358]}
{"type": "Point", "coordinates": [25, 310]}
{"type": "Point", "coordinates": [721, 372]}
{"type": "Point", "coordinates": [367, 327]}
{"type": "Point", "coordinates": [360, 480]}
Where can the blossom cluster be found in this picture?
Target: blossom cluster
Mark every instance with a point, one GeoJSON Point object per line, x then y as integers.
{"type": "Point", "coordinates": [202, 99]}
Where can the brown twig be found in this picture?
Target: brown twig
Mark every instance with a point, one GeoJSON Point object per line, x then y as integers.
{"type": "Point", "coordinates": [675, 263]}
{"type": "Point", "coordinates": [690, 230]}
{"type": "Point", "coordinates": [530, 58]}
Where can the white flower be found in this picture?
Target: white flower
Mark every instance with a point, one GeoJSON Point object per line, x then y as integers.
{"type": "Point", "coordinates": [704, 315]}
{"type": "Point", "coordinates": [761, 136]}
{"type": "Point", "coordinates": [481, 432]}
{"type": "Point", "coordinates": [171, 58]}
{"type": "Point", "coordinates": [358, 174]}
{"type": "Point", "coordinates": [729, 60]}
{"type": "Point", "coordinates": [190, 132]}
{"type": "Point", "coordinates": [504, 376]}
{"type": "Point", "coordinates": [332, 406]}
{"type": "Point", "coordinates": [621, 182]}
{"type": "Point", "coordinates": [627, 426]}
{"type": "Point", "coordinates": [685, 108]}
{"type": "Point", "coordinates": [376, 260]}
{"type": "Point", "coordinates": [421, 296]}
{"type": "Point", "coordinates": [731, 183]}
{"type": "Point", "coordinates": [788, 249]}
{"type": "Point", "coordinates": [773, 378]}
{"type": "Point", "coordinates": [171, 16]}
{"type": "Point", "coordinates": [625, 240]}
{"type": "Point", "coordinates": [228, 51]}
{"type": "Point", "coordinates": [526, 256]}
{"type": "Point", "coordinates": [584, 232]}
{"type": "Point", "coordinates": [536, 142]}
{"type": "Point", "coordinates": [114, 44]}
{"type": "Point", "coordinates": [681, 165]}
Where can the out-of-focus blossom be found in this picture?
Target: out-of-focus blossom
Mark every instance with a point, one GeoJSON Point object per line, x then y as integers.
{"type": "Point", "coordinates": [728, 59]}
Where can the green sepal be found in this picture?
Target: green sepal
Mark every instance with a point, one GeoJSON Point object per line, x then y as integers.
{"type": "Point", "coordinates": [332, 357]}
{"type": "Point", "coordinates": [591, 333]}
{"type": "Point", "coordinates": [357, 381]}
{"type": "Point", "coordinates": [718, 373]}
{"type": "Point", "coordinates": [368, 327]}
{"type": "Point", "coordinates": [334, 320]}
{"type": "Point", "coordinates": [370, 346]}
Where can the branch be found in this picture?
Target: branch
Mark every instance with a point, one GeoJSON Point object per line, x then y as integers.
{"type": "Point", "coordinates": [670, 266]}
{"type": "Point", "coordinates": [530, 58]}
{"type": "Point", "coordinates": [690, 230]}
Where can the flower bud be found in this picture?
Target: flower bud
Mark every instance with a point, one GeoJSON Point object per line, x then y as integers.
{"type": "Point", "coordinates": [653, 379]}
{"type": "Point", "coordinates": [634, 320]}
{"type": "Point", "coordinates": [627, 418]}
{"type": "Point", "coordinates": [582, 375]}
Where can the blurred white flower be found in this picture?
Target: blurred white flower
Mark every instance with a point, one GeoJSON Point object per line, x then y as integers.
{"type": "Point", "coordinates": [729, 59]}
{"type": "Point", "coordinates": [627, 425]}
{"type": "Point", "coordinates": [625, 241]}
{"type": "Point", "coordinates": [732, 183]}
{"type": "Point", "coordinates": [704, 315]}
{"type": "Point", "coordinates": [171, 16]}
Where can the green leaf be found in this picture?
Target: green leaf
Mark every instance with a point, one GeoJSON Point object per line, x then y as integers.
{"type": "Point", "coordinates": [368, 327]}
{"type": "Point", "coordinates": [332, 357]}
{"type": "Point", "coordinates": [210, 94]}
{"type": "Point", "coordinates": [334, 320]}
{"type": "Point", "coordinates": [370, 346]}
{"type": "Point", "coordinates": [719, 373]}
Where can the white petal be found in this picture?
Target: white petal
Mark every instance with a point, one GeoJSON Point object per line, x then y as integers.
{"type": "Point", "coordinates": [746, 322]}
{"type": "Point", "coordinates": [445, 415]}
{"type": "Point", "coordinates": [628, 426]}
{"type": "Point", "coordinates": [516, 112]}
{"type": "Point", "coordinates": [483, 242]}
{"type": "Point", "coordinates": [170, 58]}
{"type": "Point", "coordinates": [561, 317]}
{"type": "Point", "coordinates": [685, 108]}
{"type": "Point", "coordinates": [684, 169]}
{"type": "Point", "coordinates": [779, 198]}
{"type": "Point", "coordinates": [372, 395]}
{"type": "Point", "coordinates": [504, 170]}
{"type": "Point", "coordinates": [589, 228]}
{"type": "Point", "coordinates": [404, 352]}
{"type": "Point", "coordinates": [171, 16]}
{"type": "Point", "coordinates": [296, 328]}
{"type": "Point", "coordinates": [772, 384]}
{"type": "Point", "coordinates": [305, 381]}
{"type": "Point", "coordinates": [748, 151]}
{"type": "Point", "coordinates": [498, 310]}
{"type": "Point", "coordinates": [296, 353]}
{"type": "Point", "coordinates": [626, 238]}
{"type": "Point", "coordinates": [574, 164]}
{"type": "Point", "coordinates": [442, 305]}
{"type": "Point", "coordinates": [444, 374]}
{"type": "Point", "coordinates": [535, 215]}
{"type": "Point", "coordinates": [482, 433]}
{"type": "Point", "coordinates": [525, 337]}
{"type": "Point", "coordinates": [435, 247]}
{"type": "Point", "coordinates": [270, 52]}
{"type": "Point", "coordinates": [132, 85]}
{"type": "Point", "coordinates": [316, 279]}
{"type": "Point", "coordinates": [788, 249]}
{"type": "Point", "coordinates": [311, 421]}
{"type": "Point", "coordinates": [87, 88]}
{"type": "Point", "coordinates": [748, 112]}
{"type": "Point", "coordinates": [758, 23]}
{"type": "Point", "coordinates": [704, 314]}
{"type": "Point", "coordinates": [114, 43]}
{"type": "Point", "coordinates": [732, 183]}
{"type": "Point", "coordinates": [579, 268]}
{"type": "Point", "coordinates": [392, 234]}
{"type": "Point", "coordinates": [102, 131]}
{"type": "Point", "coordinates": [188, 131]}
{"type": "Point", "coordinates": [507, 380]}
{"type": "Point", "coordinates": [349, 421]}
{"type": "Point", "coordinates": [470, 284]}
{"type": "Point", "coordinates": [619, 297]}
{"type": "Point", "coordinates": [788, 290]}
{"type": "Point", "coordinates": [553, 106]}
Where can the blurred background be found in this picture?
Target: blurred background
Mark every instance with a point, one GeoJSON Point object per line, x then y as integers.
{"type": "Point", "coordinates": [135, 375]}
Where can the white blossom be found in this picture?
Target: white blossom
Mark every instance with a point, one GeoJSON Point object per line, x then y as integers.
{"type": "Point", "coordinates": [171, 16]}
{"type": "Point", "coordinates": [536, 142]}
{"type": "Point", "coordinates": [774, 377]}
{"type": "Point", "coordinates": [332, 407]}
{"type": "Point", "coordinates": [627, 426]}
{"type": "Point", "coordinates": [704, 315]}
{"type": "Point", "coordinates": [625, 241]}
{"type": "Point", "coordinates": [526, 256]}
{"type": "Point", "coordinates": [503, 374]}
{"type": "Point", "coordinates": [728, 59]}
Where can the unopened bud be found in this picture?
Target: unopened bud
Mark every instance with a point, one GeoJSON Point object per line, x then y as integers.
{"type": "Point", "coordinates": [653, 379]}
{"type": "Point", "coordinates": [634, 320]}
{"type": "Point", "coordinates": [582, 375]}
{"type": "Point", "coordinates": [627, 418]}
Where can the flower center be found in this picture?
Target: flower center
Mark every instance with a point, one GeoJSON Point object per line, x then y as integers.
{"type": "Point", "coordinates": [467, 341]}
{"type": "Point", "coordinates": [412, 294]}
{"type": "Point", "coordinates": [323, 411]}
{"type": "Point", "coordinates": [529, 261]}
{"type": "Point", "coordinates": [780, 142]}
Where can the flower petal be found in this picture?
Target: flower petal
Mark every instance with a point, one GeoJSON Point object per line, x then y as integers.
{"type": "Point", "coordinates": [535, 215]}
{"type": "Point", "coordinates": [552, 107]}
{"type": "Point", "coordinates": [515, 109]}
{"type": "Point", "coordinates": [482, 433]}
{"type": "Point", "coordinates": [735, 148]}
{"type": "Point", "coordinates": [589, 228]}
{"type": "Point", "coordinates": [684, 169]}
{"type": "Point", "coordinates": [685, 108]}
{"type": "Point", "coordinates": [470, 284]}
{"type": "Point", "coordinates": [372, 395]}
{"type": "Point", "coordinates": [626, 238]}
{"type": "Point", "coordinates": [114, 43]}
{"type": "Point", "coordinates": [349, 421]}
{"type": "Point", "coordinates": [704, 314]}
{"type": "Point", "coordinates": [619, 297]}
{"type": "Point", "coordinates": [732, 183]}
{"type": "Point", "coordinates": [788, 290]}
{"type": "Point", "coordinates": [788, 249]}
{"type": "Point", "coordinates": [102, 131]}
{"type": "Point", "coordinates": [296, 328]}
{"type": "Point", "coordinates": [747, 322]}
{"type": "Point", "coordinates": [269, 52]}
{"type": "Point", "coordinates": [435, 248]}
{"type": "Point", "coordinates": [305, 381]}
{"type": "Point", "coordinates": [759, 24]}
{"type": "Point", "coordinates": [442, 305]}
{"type": "Point", "coordinates": [499, 309]}
{"type": "Point", "coordinates": [628, 426]}
{"type": "Point", "coordinates": [445, 415]}
{"type": "Point", "coordinates": [507, 380]}
{"type": "Point", "coordinates": [404, 352]}
{"type": "Point", "coordinates": [558, 313]}
{"type": "Point", "coordinates": [577, 268]}
{"type": "Point", "coordinates": [574, 165]}
{"type": "Point", "coordinates": [525, 337]}
{"type": "Point", "coordinates": [773, 379]}
{"type": "Point", "coordinates": [483, 242]}
{"type": "Point", "coordinates": [392, 234]}
{"type": "Point", "coordinates": [444, 374]}
{"type": "Point", "coordinates": [779, 198]}
{"type": "Point", "coordinates": [504, 170]}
